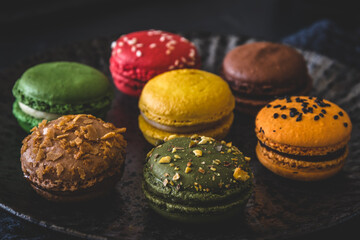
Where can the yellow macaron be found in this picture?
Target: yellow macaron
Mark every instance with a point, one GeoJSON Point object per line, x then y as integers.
{"type": "Point", "coordinates": [302, 138]}
{"type": "Point", "coordinates": [184, 102]}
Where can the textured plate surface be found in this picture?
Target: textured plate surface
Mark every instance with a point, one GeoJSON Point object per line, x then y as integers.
{"type": "Point", "coordinates": [278, 208]}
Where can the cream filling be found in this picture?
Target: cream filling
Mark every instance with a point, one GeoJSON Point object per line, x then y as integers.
{"type": "Point", "coordinates": [184, 129]}
{"type": "Point", "coordinates": [38, 114]}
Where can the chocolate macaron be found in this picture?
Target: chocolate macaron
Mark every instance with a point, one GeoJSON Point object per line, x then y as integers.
{"type": "Point", "coordinates": [73, 158]}
{"type": "Point", "coordinates": [303, 138]}
{"type": "Point", "coordinates": [197, 179]}
{"type": "Point", "coordinates": [260, 71]}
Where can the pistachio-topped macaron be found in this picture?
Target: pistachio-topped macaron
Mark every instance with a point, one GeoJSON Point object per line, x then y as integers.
{"type": "Point", "coordinates": [184, 102]}
{"type": "Point", "coordinates": [197, 179]}
{"type": "Point", "coordinates": [303, 138]}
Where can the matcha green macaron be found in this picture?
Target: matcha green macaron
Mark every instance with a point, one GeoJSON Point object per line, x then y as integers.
{"type": "Point", "coordinates": [197, 179]}
{"type": "Point", "coordinates": [50, 90]}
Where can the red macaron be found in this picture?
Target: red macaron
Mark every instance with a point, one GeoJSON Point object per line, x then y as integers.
{"type": "Point", "coordinates": [139, 56]}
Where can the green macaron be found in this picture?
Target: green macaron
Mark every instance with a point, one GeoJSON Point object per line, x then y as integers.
{"type": "Point", "coordinates": [50, 90]}
{"type": "Point", "coordinates": [197, 179]}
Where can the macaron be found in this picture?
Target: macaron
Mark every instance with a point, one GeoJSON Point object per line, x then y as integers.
{"type": "Point", "coordinates": [259, 72]}
{"type": "Point", "coordinates": [197, 180]}
{"type": "Point", "coordinates": [183, 102]}
{"type": "Point", "coordinates": [50, 90]}
{"type": "Point", "coordinates": [139, 56]}
{"type": "Point", "coordinates": [73, 158]}
{"type": "Point", "coordinates": [303, 138]}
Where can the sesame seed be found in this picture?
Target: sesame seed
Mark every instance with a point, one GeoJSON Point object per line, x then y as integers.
{"type": "Point", "coordinates": [293, 113]}
{"type": "Point", "coordinates": [283, 116]}
{"type": "Point", "coordinates": [268, 106]}
{"type": "Point", "coordinates": [299, 117]}
{"type": "Point", "coordinates": [162, 38]}
{"type": "Point", "coordinates": [176, 62]}
{"type": "Point", "coordinates": [121, 44]}
{"type": "Point", "coordinates": [336, 117]}
{"type": "Point", "coordinates": [314, 106]}
{"type": "Point", "coordinates": [138, 53]}
{"type": "Point", "coordinates": [283, 107]}
{"type": "Point", "coordinates": [168, 52]}
{"type": "Point", "coordinates": [316, 118]}
{"type": "Point", "coordinates": [310, 110]}
{"type": "Point", "coordinates": [171, 67]}
{"type": "Point", "coordinates": [133, 48]}
{"type": "Point", "coordinates": [321, 115]}
{"type": "Point", "coordinates": [139, 45]}
{"type": "Point", "coordinates": [183, 59]}
{"type": "Point", "coordinates": [288, 99]}
{"type": "Point", "coordinates": [276, 115]}
{"type": "Point", "coordinates": [341, 114]}
{"type": "Point", "coordinates": [277, 106]}
{"type": "Point", "coordinates": [152, 45]}
{"type": "Point", "coordinates": [345, 124]}
{"type": "Point", "coordinates": [323, 111]}
{"type": "Point", "coordinates": [118, 51]}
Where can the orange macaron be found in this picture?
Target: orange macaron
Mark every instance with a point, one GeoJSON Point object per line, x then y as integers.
{"type": "Point", "coordinates": [302, 138]}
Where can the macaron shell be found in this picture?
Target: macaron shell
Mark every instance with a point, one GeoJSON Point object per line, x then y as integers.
{"type": "Point", "coordinates": [144, 54]}
{"type": "Point", "coordinates": [63, 83]}
{"type": "Point", "coordinates": [153, 135]}
{"type": "Point", "coordinates": [308, 132]}
{"type": "Point", "coordinates": [299, 170]}
{"type": "Point", "coordinates": [265, 69]}
{"type": "Point", "coordinates": [128, 86]}
{"type": "Point", "coordinates": [208, 98]}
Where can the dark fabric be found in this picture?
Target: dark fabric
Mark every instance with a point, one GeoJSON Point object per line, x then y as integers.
{"type": "Point", "coordinates": [329, 39]}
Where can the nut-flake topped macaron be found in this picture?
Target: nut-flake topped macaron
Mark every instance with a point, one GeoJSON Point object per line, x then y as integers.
{"type": "Point", "coordinates": [73, 158]}
{"type": "Point", "coordinates": [303, 138]}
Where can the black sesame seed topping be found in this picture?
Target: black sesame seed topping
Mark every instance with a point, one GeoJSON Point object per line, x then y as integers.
{"type": "Point", "coordinates": [276, 115]}
{"type": "Point", "coordinates": [314, 106]}
{"type": "Point", "coordinates": [321, 115]}
{"type": "Point", "coordinates": [299, 117]}
{"type": "Point", "coordinates": [345, 124]}
{"type": "Point", "coordinates": [277, 106]}
{"type": "Point", "coordinates": [341, 113]}
{"type": "Point", "coordinates": [280, 98]}
{"type": "Point", "coordinates": [268, 106]}
{"type": "Point", "coordinates": [288, 99]}
{"type": "Point", "coordinates": [293, 114]}
{"type": "Point", "coordinates": [310, 97]}
{"type": "Point", "coordinates": [297, 99]}
{"type": "Point", "coordinates": [310, 110]}
{"type": "Point", "coordinates": [283, 116]}
{"type": "Point", "coordinates": [323, 111]}
{"type": "Point", "coordinates": [283, 107]}
{"type": "Point", "coordinates": [316, 118]}
{"type": "Point", "coordinates": [336, 117]}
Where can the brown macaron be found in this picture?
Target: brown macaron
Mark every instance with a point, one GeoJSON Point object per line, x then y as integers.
{"type": "Point", "coordinates": [260, 71]}
{"type": "Point", "coordinates": [73, 158]}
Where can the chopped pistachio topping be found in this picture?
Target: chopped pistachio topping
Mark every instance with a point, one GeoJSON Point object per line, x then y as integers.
{"type": "Point", "coordinates": [165, 182]}
{"type": "Point", "coordinates": [173, 150]}
{"type": "Point", "coordinates": [197, 152]}
{"type": "Point", "coordinates": [192, 143]}
{"type": "Point", "coordinates": [176, 177]}
{"type": "Point", "coordinates": [194, 136]}
{"type": "Point", "coordinates": [217, 161]}
{"type": "Point", "coordinates": [166, 159]}
{"type": "Point", "coordinates": [177, 156]}
{"type": "Point", "coordinates": [201, 170]}
{"type": "Point", "coordinates": [176, 168]}
{"type": "Point", "coordinates": [187, 169]}
{"type": "Point", "coordinates": [229, 144]}
{"type": "Point", "coordinates": [247, 158]}
{"type": "Point", "coordinates": [240, 174]}
{"type": "Point", "coordinates": [205, 140]}
{"type": "Point", "coordinates": [212, 169]}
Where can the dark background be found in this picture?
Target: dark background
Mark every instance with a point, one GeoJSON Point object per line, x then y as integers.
{"type": "Point", "coordinates": [30, 27]}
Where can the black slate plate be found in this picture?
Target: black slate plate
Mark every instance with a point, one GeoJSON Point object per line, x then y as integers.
{"type": "Point", "coordinates": [279, 208]}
